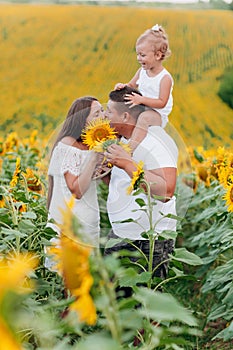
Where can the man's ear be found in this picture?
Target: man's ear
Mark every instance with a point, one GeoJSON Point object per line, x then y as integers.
{"type": "Point", "coordinates": [125, 117]}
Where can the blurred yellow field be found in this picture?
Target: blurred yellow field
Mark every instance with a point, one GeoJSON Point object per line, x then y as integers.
{"type": "Point", "coordinates": [51, 54]}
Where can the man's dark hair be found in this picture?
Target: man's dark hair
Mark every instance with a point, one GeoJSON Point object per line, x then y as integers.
{"type": "Point", "coordinates": [119, 96]}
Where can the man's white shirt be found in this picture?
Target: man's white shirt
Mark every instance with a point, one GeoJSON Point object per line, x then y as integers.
{"type": "Point", "coordinates": [157, 150]}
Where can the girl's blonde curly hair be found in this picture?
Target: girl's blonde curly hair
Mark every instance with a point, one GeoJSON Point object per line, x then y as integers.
{"type": "Point", "coordinates": [158, 38]}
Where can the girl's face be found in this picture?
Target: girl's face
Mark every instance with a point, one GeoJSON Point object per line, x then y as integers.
{"type": "Point", "coordinates": [146, 55]}
{"type": "Point", "coordinates": [97, 111]}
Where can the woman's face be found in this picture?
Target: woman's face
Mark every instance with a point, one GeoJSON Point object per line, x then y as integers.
{"type": "Point", "coordinates": [97, 111]}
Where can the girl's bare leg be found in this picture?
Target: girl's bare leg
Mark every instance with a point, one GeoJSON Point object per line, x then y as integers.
{"type": "Point", "coordinates": [145, 119]}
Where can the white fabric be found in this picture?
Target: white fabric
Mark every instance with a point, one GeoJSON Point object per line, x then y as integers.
{"type": "Point", "coordinates": [157, 150]}
{"type": "Point", "coordinates": [150, 87]}
{"type": "Point", "coordinates": [64, 159]}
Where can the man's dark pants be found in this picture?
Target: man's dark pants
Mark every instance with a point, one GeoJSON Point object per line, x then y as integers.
{"type": "Point", "coordinates": [162, 249]}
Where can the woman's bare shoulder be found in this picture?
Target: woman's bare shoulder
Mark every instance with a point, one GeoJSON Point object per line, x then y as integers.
{"type": "Point", "coordinates": [70, 141]}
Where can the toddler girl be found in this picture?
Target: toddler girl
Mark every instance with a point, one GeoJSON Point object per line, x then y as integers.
{"type": "Point", "coordinates": [153, 81]}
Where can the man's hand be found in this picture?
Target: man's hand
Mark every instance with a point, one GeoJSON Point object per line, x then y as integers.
{"type": "Point", "coordinates": [116, 155]}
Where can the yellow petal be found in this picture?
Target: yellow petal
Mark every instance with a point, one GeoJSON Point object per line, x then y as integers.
{"type": "Point", "coordinates": [7, 341]}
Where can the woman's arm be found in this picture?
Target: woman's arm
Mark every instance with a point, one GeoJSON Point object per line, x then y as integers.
{"type": "Point", "coordinates": [78, 185]}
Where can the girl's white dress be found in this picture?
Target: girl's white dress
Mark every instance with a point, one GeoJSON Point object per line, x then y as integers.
{"type": "Point", "coordinates": [66, 158]}
{"type": "Point", "coordinates": [150, 87]}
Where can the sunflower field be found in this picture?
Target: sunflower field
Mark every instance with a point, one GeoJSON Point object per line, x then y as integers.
{"type": "Point", "coordinates": [49, 56]}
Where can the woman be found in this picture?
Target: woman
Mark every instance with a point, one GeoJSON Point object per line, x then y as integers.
{"type": "Point", "coordinates": [71, 170]}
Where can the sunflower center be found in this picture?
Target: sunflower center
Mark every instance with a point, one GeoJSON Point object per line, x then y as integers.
{"type": "Point", "coordinates": [100, 134]}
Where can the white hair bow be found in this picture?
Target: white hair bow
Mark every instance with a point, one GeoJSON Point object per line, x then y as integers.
{"type": "Point", "coordinates": [156, 28]}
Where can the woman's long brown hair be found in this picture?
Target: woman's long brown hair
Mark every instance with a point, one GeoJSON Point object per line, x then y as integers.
{"type": "Point", "coordinates": [73, 125]}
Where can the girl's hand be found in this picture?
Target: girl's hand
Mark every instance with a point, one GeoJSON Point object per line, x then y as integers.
{"type": "Point", "coordinates": [119, 86]}
{"type": "Point", "coordinates": [133, 99]}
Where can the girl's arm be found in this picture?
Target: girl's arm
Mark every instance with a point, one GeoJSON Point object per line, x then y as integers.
{"type": "Point", "coordinates": [165, 88]}
{"type": "Point", "coordinates": [78, 185]}
{"type": "Point", "coordinates": [131, 83]}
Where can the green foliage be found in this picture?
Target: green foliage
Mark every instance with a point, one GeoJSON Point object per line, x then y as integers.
{"type": "Point", "coordinates": [226, 87]}
{"type": "Point", "coordinates": [208, 232]}
{"type": "Point", "coordinates": [163, 319]}
{"type": "Point", "coordinates": [40, 318]}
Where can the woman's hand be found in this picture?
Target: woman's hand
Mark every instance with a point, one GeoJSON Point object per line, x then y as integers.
{"type": "Point", "coordinates": [99, 158]}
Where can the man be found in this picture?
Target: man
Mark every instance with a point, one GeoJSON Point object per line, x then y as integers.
{"type": "Point", "coordinates": [159, 154]}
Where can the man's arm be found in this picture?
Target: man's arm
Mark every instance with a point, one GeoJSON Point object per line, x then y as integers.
{"type": "Point", "coordinates": [162, 181]}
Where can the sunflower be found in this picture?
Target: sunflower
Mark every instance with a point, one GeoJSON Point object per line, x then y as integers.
{"type": "Point", "coordinates": [13, 273]}
{"type": "Point", "coordinates": [225, 176]}
{"type": "Point", "coordinates": [98, 131]}
{"type": "Point", "coordinates": [2, 201]}
{"type": "Point", "coordinates": [14, 269]}
{"type": "Point", "coordinates": [228, 197]}
{"type": "Point", "coordinates": [71, 258]}
{"type": "Point", "coordinates": [138, 175]}
{"type": "Point", "coordinates": [103, 146]}
{"type": "Point", "coordinates": [33, 182]}
{"type": "Point", "coordinates": [8, 340]}
{"type": "Point", "coordinates": [15, 176]}
{"type": "Point", "coordinates": [12, 142]}
{"type": "Point", "coordinates": [229, 160]}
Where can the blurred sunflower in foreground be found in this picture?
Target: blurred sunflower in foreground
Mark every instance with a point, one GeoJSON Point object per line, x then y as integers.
{"type": "Point", "coordinates": [14, 270]}
{"type": "Point", "coordinates": [71, 257]}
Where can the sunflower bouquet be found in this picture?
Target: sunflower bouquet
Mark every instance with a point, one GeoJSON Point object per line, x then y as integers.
{"type": "Point", "coordinates": [97, 132]}
{"type": "Point", "coordinates": [98, 136]}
